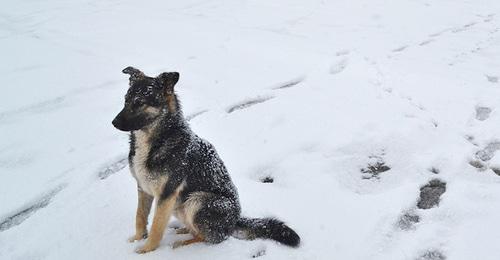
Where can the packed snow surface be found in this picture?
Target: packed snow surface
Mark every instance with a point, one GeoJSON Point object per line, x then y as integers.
{"type": "Point", "coordinates": [334, 116]}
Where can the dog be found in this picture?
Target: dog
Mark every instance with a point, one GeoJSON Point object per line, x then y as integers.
{"type": "Point", "coordinates": [182, 172]}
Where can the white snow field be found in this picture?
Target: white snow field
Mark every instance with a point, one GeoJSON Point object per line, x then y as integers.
{"type": "Point", "coordinates": [350, 106]}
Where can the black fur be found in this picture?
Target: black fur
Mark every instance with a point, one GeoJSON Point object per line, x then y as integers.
{"type": "Point", "coordinates": [269, 228]}
{"type": "Point", "coordinates": [188, 160]}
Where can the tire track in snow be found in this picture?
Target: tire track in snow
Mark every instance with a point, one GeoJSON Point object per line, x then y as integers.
{"type": "Point", "coordinates": [51, 104]}
{"type": "Point", "coordinates": [435, 36]}
{"type": "Point", "coordinates": [248, 103]}
{"type": "Point", "coordinates": [290, 83]}
{"type": "Point", "coordinates": [195, 114]}
{"type": "Point", "coordinates": [23, 214]}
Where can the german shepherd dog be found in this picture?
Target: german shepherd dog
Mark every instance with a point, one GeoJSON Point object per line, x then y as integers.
{"type": "Point", "coordinates": [181, 172]}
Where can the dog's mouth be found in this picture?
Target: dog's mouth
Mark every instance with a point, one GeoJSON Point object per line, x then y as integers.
{"type": "Point", "coordinates": [119, 125]}
{"type": "Point", "coordinates": [122, 124]}
{"type": "Point", "coordinates": [131, 122]}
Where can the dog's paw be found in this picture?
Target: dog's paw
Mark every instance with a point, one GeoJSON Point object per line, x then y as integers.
{"type": "Point", "coordinates": [136, 237]}
{"type": "Point", "coordinates": [145, 249]}
{"type": "Point", "coordinates": [177, 244]}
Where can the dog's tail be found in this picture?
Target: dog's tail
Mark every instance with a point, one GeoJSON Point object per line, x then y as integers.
{"type": "Point", "coordinates": [267, 228]}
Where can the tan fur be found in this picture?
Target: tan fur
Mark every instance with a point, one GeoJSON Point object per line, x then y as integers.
{"type": "Point", "coordinates": [152, 110]}
{"type": "Point", "coordinates": [182, 231]}
{"type": "Point", "coordinates": [195, 239]}
{"type": "Point", "coordinates": [160, 220]}
{"type": "Point", "coordinates": [152, 186]}
{"type": "Point", "coordinates": [171, 102]}
{"type": "Point", "coordinates": [141, 218]}
{"type": "Point", "coordinates": [186, 211]}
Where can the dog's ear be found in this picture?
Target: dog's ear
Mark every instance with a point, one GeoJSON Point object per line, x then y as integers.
{"type": "Point", "coordinates": [134, 73]}
{"type": "Point", "coordinates": [167, 81]}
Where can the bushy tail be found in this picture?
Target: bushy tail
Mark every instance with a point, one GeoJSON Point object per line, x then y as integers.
{"type": "Point", "coordinates": [267, 228]}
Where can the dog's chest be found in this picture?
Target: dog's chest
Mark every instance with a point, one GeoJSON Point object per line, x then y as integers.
{"type": "Point", "coordinates": [149, 182]}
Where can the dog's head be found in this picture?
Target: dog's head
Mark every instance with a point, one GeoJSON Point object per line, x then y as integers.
{"type": "Point", "coordinates": [147, 99]}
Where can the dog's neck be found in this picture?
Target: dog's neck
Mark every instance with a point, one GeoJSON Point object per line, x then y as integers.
{"type": "Point", "coordinates": [166, 126]}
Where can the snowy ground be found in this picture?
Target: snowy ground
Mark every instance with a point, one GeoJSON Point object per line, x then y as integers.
{"type": "Point", "coordinates": [308, 93]}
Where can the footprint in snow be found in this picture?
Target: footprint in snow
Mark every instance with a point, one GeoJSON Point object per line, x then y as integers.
{"type": "Point", "coordinates": [482, 113]}
{"type": "Point", "coordinates": [342, 53]}
{"type": "Point", "coordinates": [489, 151]}
{"type": "Point", "coordinates": [408, 220]}
{"type": "Point", "coordinates": [339, 66]}
{"type": "Point", "coordinates": [432, 255]}
{"type": "Point", "coordinates": [375, 167]}
{"type": "Point", "coordinates": [492, 79]}
{"type": "Point", "coordinates": [259, 253]}
{"type": "Point", "coordinates": [267, 179]}
{"type": "Point", "coordinates": [463, 28]}
{"type": "Point", "coordinates": [430, 194]}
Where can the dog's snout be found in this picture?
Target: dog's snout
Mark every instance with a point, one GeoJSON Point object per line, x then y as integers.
{"type": "Point", "coordinates": [114, 122]}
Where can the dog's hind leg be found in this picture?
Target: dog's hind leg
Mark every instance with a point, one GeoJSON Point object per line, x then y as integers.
{"type": "Point", "coordinates": [182, 231]}
{"type": "Point", "coordinates": [216, 218]}
{"type": "Point", "coordinates": [196, 239]}
{"type": "Point", "coordinates": [141, 219]}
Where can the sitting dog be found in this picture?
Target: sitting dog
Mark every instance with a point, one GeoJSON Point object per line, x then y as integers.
{"type": "Point", "coordinates": [181, 172]}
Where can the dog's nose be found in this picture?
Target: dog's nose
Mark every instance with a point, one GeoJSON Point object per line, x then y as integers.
{"type": "Point", "coordinates": [115, 121]}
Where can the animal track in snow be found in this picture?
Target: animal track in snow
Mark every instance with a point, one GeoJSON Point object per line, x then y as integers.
{"type": "Point", "coordinates": [481, 162]}
{"type": "Point", "coordinates": [267, 179]}
{"type": "Point", "coordinates": [463, 27]}
{"type": "Point", "coordinates": [489, 151]}
{"type": "Point", "coordinates": [20, 216]}
{"type": "Point", "coordinates": [439, 33]}
{"type": "Point", "coordinates": [434, 170]}
{"type": "Point", "coordinates": [248, 103]}
{"type": "Point", "coordinates": [259, 253]}
{"type": "Point", "coordinates": [492, 79]}
{"type": "Point", "coordinates": [290, 83]}
{"type": "Point", "coordinates": [339, 66]}
{"type": "Point", "coordinates": [432, 255]}
{"type": "Point", "coordinates": [478, 165]}
{"type": "Point", "coordinates": [375, 167]}
{"type": "Point", "coordinates": [342, 53]}
{"type": "Point", "coordinates": [408, 220]}
{"type": "Point", "coordinates": [482, 113]}
{"type": "Point", "coordinates": [113, 168]}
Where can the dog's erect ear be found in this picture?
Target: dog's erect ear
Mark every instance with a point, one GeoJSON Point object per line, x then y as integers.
{"type": "Point", "coordinates": [168, 81]}
{"type": "Point", "coordinates": [134, 73]}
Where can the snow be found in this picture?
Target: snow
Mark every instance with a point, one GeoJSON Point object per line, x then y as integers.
{"type": "Point", "coordinates": [306, 92]}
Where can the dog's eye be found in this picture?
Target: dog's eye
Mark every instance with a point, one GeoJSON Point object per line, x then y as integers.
{"type": "Point", "coordinates": [137, 103]}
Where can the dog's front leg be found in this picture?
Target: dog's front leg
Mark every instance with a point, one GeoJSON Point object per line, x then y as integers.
{"type": "Point", "coordinates": [141, 218]}
{"type": "Point", "coordinates": [163, 212]}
